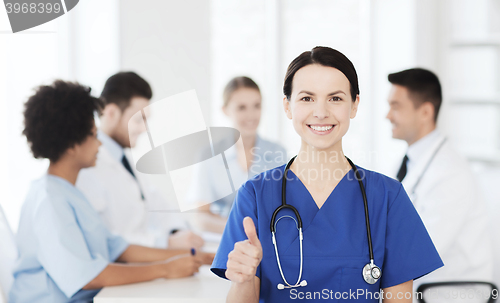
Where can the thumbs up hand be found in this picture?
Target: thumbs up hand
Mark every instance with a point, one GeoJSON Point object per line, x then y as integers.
{"type": "Point", "coordinates": [246, 256]}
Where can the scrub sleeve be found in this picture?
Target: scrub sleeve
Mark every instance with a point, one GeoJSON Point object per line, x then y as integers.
{"type": "Point", "coordinates": [409, 251]}
{"type": "Point", "coordinates": [244, 206]}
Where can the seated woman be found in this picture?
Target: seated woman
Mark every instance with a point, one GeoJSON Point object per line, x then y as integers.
{"type": "Point", "coordinates": [66, 254]}
{"type": "Point", "coordinates": [242, 104]}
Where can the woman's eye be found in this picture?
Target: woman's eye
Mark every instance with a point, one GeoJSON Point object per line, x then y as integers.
{"type": "Point", "coordinates": [241, 107]}
{"type": "Point", "coordinates": [336, 99]}
{"type": "Point", "coordinates": [306, 99]}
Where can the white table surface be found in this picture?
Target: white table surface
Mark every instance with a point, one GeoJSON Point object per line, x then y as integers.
{"type": "Point", "coordinates": [203, 287]}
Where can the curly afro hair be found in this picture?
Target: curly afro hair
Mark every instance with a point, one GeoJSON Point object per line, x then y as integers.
{"type": "Point", "coordinates": [57, 117]}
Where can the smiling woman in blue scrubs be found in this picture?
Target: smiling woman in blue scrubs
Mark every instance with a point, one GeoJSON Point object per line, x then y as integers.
{"type": "Point", "coordinates": [321, 97]}
{"type": "Point", "coordinates": [66, 254]}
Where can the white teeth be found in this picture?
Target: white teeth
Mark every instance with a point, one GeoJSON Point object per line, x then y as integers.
{"type": "Point", "coordinates": [321, 128]}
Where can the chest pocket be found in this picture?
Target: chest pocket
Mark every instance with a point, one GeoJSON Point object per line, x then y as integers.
{"type": "Point", "coordinates": [321, 273]}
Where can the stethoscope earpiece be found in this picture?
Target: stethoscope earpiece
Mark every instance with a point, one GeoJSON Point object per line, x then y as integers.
{"type": "Point", "coordinates": [303, 283]}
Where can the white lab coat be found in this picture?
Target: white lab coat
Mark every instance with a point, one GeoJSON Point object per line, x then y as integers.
{"type": "Point", "coordinates": [449, 203]}
{"type": "Point", "coordinates": [116, 196]}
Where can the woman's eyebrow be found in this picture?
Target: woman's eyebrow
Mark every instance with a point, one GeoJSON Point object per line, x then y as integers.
{"type": "Point", "coordinates": [306, 92]}
{"type": "Point", "coordinates": [337, 92]}
{"type": "Point", "coordinates": [330, 94]}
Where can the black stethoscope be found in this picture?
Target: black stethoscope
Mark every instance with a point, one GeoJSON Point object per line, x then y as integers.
{"type": "Point", "coordinates": [371, 272]}
{"type": "Point", "coordinates": [413, 194]}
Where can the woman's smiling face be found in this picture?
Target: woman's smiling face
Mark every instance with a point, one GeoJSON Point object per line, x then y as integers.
{"type": "Point", "coordinates": [320, 106]}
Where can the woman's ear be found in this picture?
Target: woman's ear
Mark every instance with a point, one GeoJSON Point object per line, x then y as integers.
{"type": "Point", "coordinates": [286, 107]}
{"type": "Point", "coordinates": [354, 108]}
{"type": "Point", "coordinates": [72, 151]}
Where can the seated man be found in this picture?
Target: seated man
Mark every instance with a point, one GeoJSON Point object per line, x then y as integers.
{"type": "Point", "coordinates": [439, 181]}
{"type": "Point", "coordinates": [114, 188]}
{"type": "Point", "coordinates": [66, 254]}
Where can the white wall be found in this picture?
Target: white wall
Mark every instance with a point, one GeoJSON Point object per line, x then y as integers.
{"type": "Point", "coordinates": [27, 60]}
{"type": "Point", "coordinates": [470, 55]}
{"type": "Point", "coordinates": [79, 46]}
{"type": "Point", "coordinates": [168, 43]}
{"type": "Point", "coordinates": [393, 49]}
{"type": "Point", "coordinates": [260, 39]}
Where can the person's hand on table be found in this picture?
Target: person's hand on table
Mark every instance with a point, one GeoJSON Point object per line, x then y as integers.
{"type": "Point", "coordinates": [205, 257]}
{"type": "Point", "coordinates": [246, 256]}
{"type": "Point", "coordinates": [185, 239]}
{"type": "Point", "coordinates": [181, 267]}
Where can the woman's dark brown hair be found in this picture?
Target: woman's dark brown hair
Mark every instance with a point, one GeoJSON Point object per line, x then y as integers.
{"type": "Point", "coordinates": [325, 56]}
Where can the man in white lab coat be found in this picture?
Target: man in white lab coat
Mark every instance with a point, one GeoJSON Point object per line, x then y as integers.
{"type": "Point", "coordinates": [114, 188]}
{"type": "Point", "coordinates": [439, 181]}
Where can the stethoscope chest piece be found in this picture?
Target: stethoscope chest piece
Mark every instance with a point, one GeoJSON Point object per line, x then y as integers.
{"type": "Point", "coordinates": [371, 273]}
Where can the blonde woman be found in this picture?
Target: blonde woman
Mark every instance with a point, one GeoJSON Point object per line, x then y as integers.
{"type": "Point", "coordinates": [242, 105]}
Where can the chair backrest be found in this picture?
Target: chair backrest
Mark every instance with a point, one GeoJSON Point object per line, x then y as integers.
{"type": "Point", "coordinates": [454, 292]}
{"type": "Point", "coordinates": [8, 256]}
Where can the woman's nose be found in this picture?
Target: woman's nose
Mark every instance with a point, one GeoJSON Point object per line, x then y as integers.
{"type": "Point", "coordinates": [321, 110]}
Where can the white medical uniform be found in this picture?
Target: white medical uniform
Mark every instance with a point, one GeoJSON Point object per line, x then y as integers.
{"type": "Point", "coordinates": [62, 243]}
{"type": "Point", "coordinates": [452, 210]}
{"type": "Point", "coordinates": [116, 195]}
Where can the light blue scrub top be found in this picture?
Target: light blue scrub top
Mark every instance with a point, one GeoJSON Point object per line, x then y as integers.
{"type": "Point", "coordinates": [335, 243]}
{"type": "Point", "coordinates": [63, 245]}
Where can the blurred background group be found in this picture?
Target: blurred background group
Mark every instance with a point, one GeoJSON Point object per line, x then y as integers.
{"type": "Point", "coordinates": [196, 44]}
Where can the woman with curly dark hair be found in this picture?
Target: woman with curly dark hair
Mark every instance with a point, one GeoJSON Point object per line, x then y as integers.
{"type": "Point", "coordinates": [66, 254]}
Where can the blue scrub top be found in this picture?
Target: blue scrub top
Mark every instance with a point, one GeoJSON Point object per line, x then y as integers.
{"type": "Point", "coordinates": [335, 243]}
{"type": "Point", "coordinates": [62, 243]}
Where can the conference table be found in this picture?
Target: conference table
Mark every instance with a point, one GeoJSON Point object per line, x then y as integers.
{"type": "Point", "coordinates": [203, 287]}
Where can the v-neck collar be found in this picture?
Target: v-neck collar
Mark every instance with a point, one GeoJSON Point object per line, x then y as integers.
{"type": "Point", "coordinates": [329, 196]}
{"type": "Point", "coordinates": [297, 192]}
